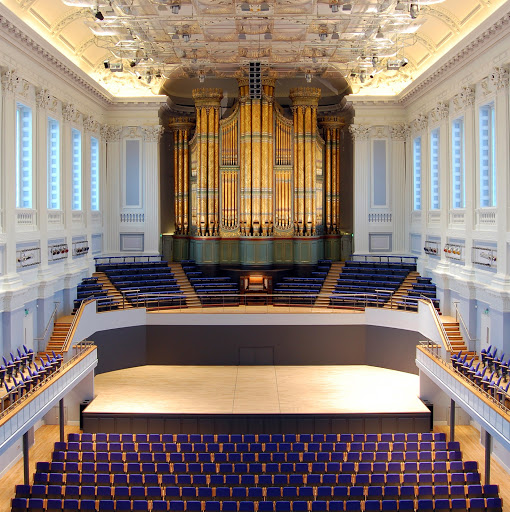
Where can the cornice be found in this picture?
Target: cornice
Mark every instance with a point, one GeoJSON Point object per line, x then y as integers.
{"type": "Point", "coordinates": [447, 66]}
{"type": "Point", "coordinates": [52, 59]}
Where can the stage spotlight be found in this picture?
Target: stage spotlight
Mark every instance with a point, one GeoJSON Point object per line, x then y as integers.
{"type": "Point", "coordinates": [175, 8]}
{"type": "Point", "coordinates": [323, 36]}
{"type": "Point", "coordinates": [186, 37]}
{"type": "Point", "coordinates": [404, 62]}
{"type": "Point", "coordinates": [413, 11]}
{"type": "Point", "coordinates": [335, 35]}
{"type": "Point", "coordinates": [362, 77]}
{"type": "Point", "coordinates": [99, 15]}
{"type": "Point", "coordinates": [333, 7]}
{"type": "Point", "coordinates": [308, 77]}
{"type": "Point", "coordinates": [106, 64]}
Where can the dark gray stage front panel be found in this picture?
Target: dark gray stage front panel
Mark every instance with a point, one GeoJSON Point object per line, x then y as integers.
{"type": "Point", "coordinates": [257, 344]}
{"type": "Point", "coordinates": [256, 423]}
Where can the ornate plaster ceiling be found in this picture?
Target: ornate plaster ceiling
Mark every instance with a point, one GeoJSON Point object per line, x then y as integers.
{"type": "Point", "coordinates": [209, 39]}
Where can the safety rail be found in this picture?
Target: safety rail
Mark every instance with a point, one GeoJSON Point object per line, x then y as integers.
{"type": "Point", "coordinates": [462, 324]}
{"type": "Point", "coordinates": [74, 324]}
{"type": "Point", "coordinates": [82, 347]}
{"type": "Point", "coordinates": [440, 326]}
{"type": "Point", "coordinates": [43, 340]}
{"type": "Point", "coordinates": [128, 259]}
{"type": "Point", "coordinates": [430, 348]}
{"type": "Point", "coordinates": [381, 258]}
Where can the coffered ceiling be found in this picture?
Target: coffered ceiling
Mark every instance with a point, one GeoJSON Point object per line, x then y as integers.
{"type": "Point", "coordinates": [379, 46]}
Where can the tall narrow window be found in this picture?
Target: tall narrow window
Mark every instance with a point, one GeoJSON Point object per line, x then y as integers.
{"type": "Point", "coordinates": [458, 165]}
{"type": "Point", "coordinates": [53, 164]}
{"type": "Point", "coordinates": [23, 156]}
{"type": "Point", "coordinates": [434, 169]}
{"type": "Point", "coordinates": [94, 174]}
{"type": "Point", "coordinates": [487, 156]}
{"type": "Point", "coordinates": [76, 158]}
{"type": "Point", "coordinates": [417, 172]}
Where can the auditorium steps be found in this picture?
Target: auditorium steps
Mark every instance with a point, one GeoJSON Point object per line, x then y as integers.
{"type": "Point", "coordinates": [112, 292]}
{"type": "Point", "coordinates": [58, 336]}
{"type": "Point", "coordinates": [404, 288]}
{"type": "Point", "coordinates": [452, 329]}
{"type": "Point", "coordinates": [192, 299]}
{"type": "Point", "coordinates": [329, 284]}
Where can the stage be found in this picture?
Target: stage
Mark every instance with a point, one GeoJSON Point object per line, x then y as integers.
{"type": "Point", "coordinates": [215, 399]}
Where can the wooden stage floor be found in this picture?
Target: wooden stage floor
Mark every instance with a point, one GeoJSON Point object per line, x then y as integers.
{"type": "Point", "coordinates": [256, 390]}
{"type": "Point", "coordinates": [214, 399]}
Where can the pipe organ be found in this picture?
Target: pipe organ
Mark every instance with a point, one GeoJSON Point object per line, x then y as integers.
{"type": "Point", "coordinates": [258, 174]}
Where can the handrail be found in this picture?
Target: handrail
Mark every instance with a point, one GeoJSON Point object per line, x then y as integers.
{"type": "Point", "coordinates": [74, 324]}
{"type": "Point", "coordinates": [389, 258]}
{"type": "Point", "coordinates": [81, 348]}
{"type": "Point", "coordinates": [51, 321]}
{"type": "Point", "coordinates": [440, 325]}
{"type": "Point", "coordinates": [458, 317]}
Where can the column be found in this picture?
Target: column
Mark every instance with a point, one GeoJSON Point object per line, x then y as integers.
{"type": "Point", "coordinates": [267, 134]}
{"type": "Point", "coordinates": [151, 135]}
{"type": "Point", "coordinates": [9, 84]}
{"type": "Point", "coordinates": [500, 81]}
{"type": "Point", "coordinates": [245, 161]}
{"type": "Point", "coordinates": [360, 134]}
{"type": "Point", "coordinates": [207, 104]}
{"type": "Point", "coordinates": [304, 107]}
{"type": "Point", "coordinates": [111, 135]}
{"type": "Point", "coordinates": [68, 117]}
{"type": "Point", "coordinates": [181, 127]}
{"type": "Point", "coordinates": [398, 135]}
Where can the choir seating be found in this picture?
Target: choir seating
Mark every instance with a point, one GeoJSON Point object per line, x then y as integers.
{"type": "Point", "coordinates": [252, 473]}
{"type": "Point", "coordinates": [90, 288]}
{"type": "Point", "coordinates": [211, 290]}
{"type": "Point", "coordinates": [302, 290]}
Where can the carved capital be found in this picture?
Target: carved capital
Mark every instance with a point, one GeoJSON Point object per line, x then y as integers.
{"type": "Point", "coordinates": [69, 112]}
{"type": "Point", "coordinates": [111, 133]}
{"type": "Point", "coordinates": [42, 98]}
{"type": "Point", "coordinates": [499, 78]}
{"type": "Point", "coordinates": [151, 133]}
{"type": "Point", "coordinates": [399, 131]}
{"type": "Point", "coordinates": [10, 81]}
{"type": "Point", "coordinates": [440, 111]}
{"type": "Point", "coordinates": [465, 98]}
{"type": "Point", "coordinates": [180, 123]}
{"type": "Point", "coordinates": [90, 124]}
{"type": "Point", "coordinates": [306, 96]}
{"type": "Point", "coordinates": [420, 123]}
{"type": "Point", "coordinates": [359, 131]}
{"type": "Point", "coordinates": [207, 97]}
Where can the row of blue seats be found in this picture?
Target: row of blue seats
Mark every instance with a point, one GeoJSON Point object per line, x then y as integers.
{"type": "Point", "coordinates": [308, 493]}
{"type": "Point", "coordinates": [84, 286]}
{"type": "Point", "coordinates": [259, 438]}
{"type": "Point", "coordinates": [262, 480]}
{"type": "Point", "coordinates": [369, 277]}
{"type": "Point", "coordinates": [396, 273]}
{"type": "Point", "coordinates": [386, 265]}
{"type": "Point", "coordinates": [390, 505]}
{"type": "Point", "coordinates": [315, 280]}
{"type": "Point", "coordinates": [102, 267]}
{"type": "Point", "coordinates": [141, 270]}
{"type": "Point", "coordinates": [256, 447]}
{"type": "Point", "coordinates": [424, 286]}
{"type": "Point", "coordinates": [165, 277]}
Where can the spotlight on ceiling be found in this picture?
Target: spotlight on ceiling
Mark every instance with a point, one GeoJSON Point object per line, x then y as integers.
{"type": "Point", "coordinates": [333, 7]}
{"type": "Point", "coordinates": [99, 15]}
{"type": "Point", "coordinates": [148, 77]}
{"type": "Point", "coordinates": [335, 35]}
{"type": "Point", "coordinates": [186, 37]}
{"type": "Point", "coordinates": [379, 34]}
{"type": "Point", "coordinates": [308, 77]}
{"type": "Point", "coordinates": [362, 77]}
{"type": "Point", "coordinates": [175, 8]}
{"type": "Point", "coordinates": [375, 60]}
{"type": "Point", "coordinates": [404, 62]}
{"type": "Point", "coordinates": [106, 64]}
{"type": "Point", "coordinates": [133, 63]}
{"type": "Point", "coordinates": [267, 34]}
{"type": "Point", "coordinates": [201, 77]}
{"type": "Point", "coordinates": [413, 11]}
{"type": "Point", "coordinates": [323, 36]}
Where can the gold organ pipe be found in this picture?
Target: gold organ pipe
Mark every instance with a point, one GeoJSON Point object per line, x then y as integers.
{"type": "Point", "coordinates": [185, 170]}
{"type": "Point", "coordinates": [327, 181]}
{"type": "Point", "coordinates": [313, 173]}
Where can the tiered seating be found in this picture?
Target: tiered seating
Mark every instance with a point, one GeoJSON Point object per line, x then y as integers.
{"type": "Point", "coordinates": [376, 281]}
{"type": "Point", "coordinates": [147, 284]}
{"type": "Point", "coordinates": [211, 290]}
{"type": "Point", "coordinates": [90, 288]}
{"type": "Point", "coordinates": [248, 473]}
{"type": "Point", "coordinates": [302, 290]}
{"type": "Point", "coordinates": [490, 373]}
{"type": "Point", "coordinates": [424, 287]}
{"type": "Point", "coordinates": [21, 373]}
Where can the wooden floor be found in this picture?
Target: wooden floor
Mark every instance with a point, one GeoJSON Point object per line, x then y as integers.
{"type": "Point", "coordinates": [48, 434]}
{"type": "Point", "coordinates": [257, 389]}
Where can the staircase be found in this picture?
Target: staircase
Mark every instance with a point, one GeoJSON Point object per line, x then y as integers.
{"type": "Point", "coordinates": [329, 284]}
{"type": "Point", "coordinates": [192, 299]}
{"type": "Point", "coordinates": [452, 329]}
{"type": "Point", "coordinates": [403, 289]}
{"type": "Point", "coordinates": [58, 336]}
{"type": "Point", "coordinates": [113, 293]}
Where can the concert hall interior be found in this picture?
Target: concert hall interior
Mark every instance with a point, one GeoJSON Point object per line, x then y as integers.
{"type": "Point", "coordinates": [254, 255]}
